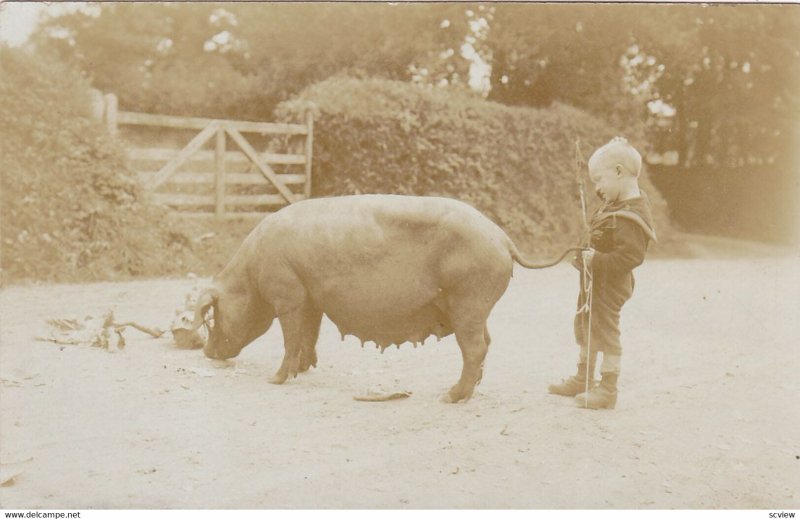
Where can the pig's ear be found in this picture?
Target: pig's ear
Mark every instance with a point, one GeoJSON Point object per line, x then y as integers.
{"type": "Point", "coordinates": [205, 301]}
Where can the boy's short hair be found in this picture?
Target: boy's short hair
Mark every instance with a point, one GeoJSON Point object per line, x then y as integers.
{"type": "Point", "coordinates": [618, 150]}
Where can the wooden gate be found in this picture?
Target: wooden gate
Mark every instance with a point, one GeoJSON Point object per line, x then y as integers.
{"type": "Point", "coordinates": [219, 171]}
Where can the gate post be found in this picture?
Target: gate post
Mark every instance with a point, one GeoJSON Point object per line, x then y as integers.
{"type": "Point", "coordinates": [219, 173]}
{"type": "Point", "coordinates": [98, 104]}
{"type": "Point", "coordinates": [309, 144]}
{"type": "Point", "coordinates": [111, 113]}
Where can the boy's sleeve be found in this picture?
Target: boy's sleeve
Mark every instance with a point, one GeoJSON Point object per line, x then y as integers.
{"type": "Point", "coordinates": [630, 246]}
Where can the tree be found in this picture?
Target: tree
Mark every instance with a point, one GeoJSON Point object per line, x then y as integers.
{"type": "Point", "coordinates": [566, 52]}
{"type": "Point", "coordinates": [240, 59]}
{"type": "Point", "coordinates": [732, 73]}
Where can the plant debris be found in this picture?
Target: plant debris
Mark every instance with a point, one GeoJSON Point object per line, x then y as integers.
{"type": "Point", "coordinates": [100, 332]}
{"type": "Point", "coordinates": [183, 332]}
{"type": "Point", "coordinates": [9, 472]}
{"type": "Point", "coordinates": [382, 397]}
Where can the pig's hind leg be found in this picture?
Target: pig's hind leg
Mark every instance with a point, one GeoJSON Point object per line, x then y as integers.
{"type": "Point", "coordinates": [472, 340]}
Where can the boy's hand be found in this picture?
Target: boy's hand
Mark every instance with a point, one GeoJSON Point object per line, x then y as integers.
{"type": "Point", "coordinates": [588, 255]}
{"type": "Point", "coordinates": [577, 261]}
{"type": "Point", "coordinates": [584, 258]}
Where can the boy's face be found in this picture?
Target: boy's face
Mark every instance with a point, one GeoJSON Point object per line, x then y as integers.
{"type": "Point", "coordinates": [607, 178]}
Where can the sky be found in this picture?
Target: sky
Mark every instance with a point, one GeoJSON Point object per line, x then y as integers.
{"type": "Point", "coordinates": [17, 21]}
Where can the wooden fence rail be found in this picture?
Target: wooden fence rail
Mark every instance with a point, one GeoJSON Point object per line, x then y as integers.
{"type": "Point", "coordinates": [207, 168]}
{"type": "Point", "coordinates": [198, 123]}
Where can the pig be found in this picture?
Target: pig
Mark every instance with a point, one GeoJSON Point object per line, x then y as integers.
{"type": "Point", "coordinates": [384, 268]}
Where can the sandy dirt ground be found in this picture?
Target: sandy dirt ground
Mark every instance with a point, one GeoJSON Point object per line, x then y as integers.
{"type": "Point", "coordinates": [708, 413]}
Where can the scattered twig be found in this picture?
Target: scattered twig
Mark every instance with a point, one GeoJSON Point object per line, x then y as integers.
{"type": "Point", "coordinates": [57, 340]}
{"type": "Point", "coordinates": [10, 471]}
{"type": "Point", "coordinates": [155, 332]}
{"type": "Point", "coordinates": [204, 237]}
{"type": "Point", "coordinates": [382, 397]}
{"type": "Point", "coordinates": [64, 324]}
{"type": "Point", "coordinates": [7, 481]}
{"type": "Point", "coordinates": [99, 332]}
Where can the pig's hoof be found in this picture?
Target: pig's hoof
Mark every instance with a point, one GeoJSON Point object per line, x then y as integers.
{"type": "Point", "coordinates": [447, 399]}
{"type": "Point", "coordinates": [278, 378]}
{"type": "Point", "coordinates": [307, 360]}
{"type": "Point", "coordinates": [455, 395]}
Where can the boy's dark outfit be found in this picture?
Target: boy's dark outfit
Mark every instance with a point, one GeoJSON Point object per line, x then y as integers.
{"type": "Point", "coordinates": [620, 234]}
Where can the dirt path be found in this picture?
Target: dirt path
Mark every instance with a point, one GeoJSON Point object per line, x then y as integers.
{"type": "Point", "coordinates": [707, 417]}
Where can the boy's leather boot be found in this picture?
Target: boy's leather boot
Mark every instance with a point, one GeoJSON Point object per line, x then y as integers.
{"type": "Point", "coordinates": [604, 396]}
{"type": "Point", "coordinates": [574, 385]}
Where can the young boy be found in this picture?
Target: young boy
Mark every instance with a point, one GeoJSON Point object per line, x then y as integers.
{"type": "Point", "coordinates": [620, 231]}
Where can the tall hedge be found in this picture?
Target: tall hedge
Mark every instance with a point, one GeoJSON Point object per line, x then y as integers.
{"type": "Point", "coordinates": [71, 208]}
{"type": "Point", "coordinates": [517, 165]}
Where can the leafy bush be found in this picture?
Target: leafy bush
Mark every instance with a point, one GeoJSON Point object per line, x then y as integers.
{"type": "Point", "coordinates": [71, 209]}
{"type": "Point", "coordinates": [517, 165]}
{"type": "Point", "coordinates": [754, 203]}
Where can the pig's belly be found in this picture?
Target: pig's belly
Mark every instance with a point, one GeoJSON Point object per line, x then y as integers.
{"type": "Point", "coordinates": [387, 328]}
{"type": "Point", "coordinates": [387, 311]}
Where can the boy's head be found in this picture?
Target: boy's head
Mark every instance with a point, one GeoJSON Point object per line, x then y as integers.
{"type": "Point", "coordinates": [614, 169]}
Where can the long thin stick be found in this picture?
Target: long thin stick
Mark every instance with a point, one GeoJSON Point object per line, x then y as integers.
{"type": "Point", "coordinates": [579, 162]}
{"type": "Point", "coordinates": [155, 333]}
{"type": "Point", "coordinates": [587, 271]}
{"type": "Point", "coordinates": [588, 282]}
